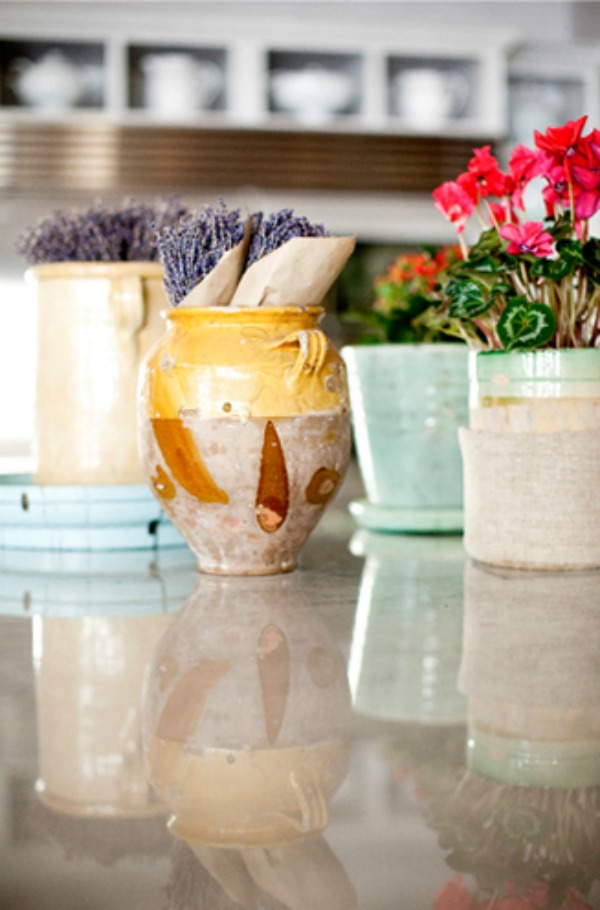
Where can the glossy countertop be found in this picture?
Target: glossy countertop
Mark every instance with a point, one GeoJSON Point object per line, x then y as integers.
{"type": "Point", "coordinates": [390, 726]}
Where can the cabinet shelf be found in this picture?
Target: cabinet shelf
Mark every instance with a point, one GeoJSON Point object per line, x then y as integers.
{"type": "Point", "coordinates": [329, 85]}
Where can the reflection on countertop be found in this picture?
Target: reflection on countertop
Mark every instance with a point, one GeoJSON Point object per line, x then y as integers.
{"type": "Point", "coordinates": [391, 725]}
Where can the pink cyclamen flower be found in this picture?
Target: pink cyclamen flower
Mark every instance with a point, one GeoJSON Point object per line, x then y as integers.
{"type": "Point", "coordinates": [587, 191]}
{"type": "Point", "coordinates": [561, 142]}
{"type": "Point", "coordinates": [483, 176]}
{"type": "Point", "coordinates": [557, 190]}
{"type": "Point", "coordinates": [524, 165]}
{"type": "Point", "coordinates": [529, 237]}
{"type": "Point", "coordinates": [586, 176]}
{"type": "Point", "coordinates": [502, 212]}
{"type": "Point", "coordinates": [454, 203]}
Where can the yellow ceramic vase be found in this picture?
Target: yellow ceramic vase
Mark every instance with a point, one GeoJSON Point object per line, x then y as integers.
{"type": "Point", "coordinates": [96, 321]}
{"type": "Point", "coordinates": [244, 432]}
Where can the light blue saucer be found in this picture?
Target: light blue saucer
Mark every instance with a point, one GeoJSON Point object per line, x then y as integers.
{"type": "Point", "coordinates": [79, 517]}
{"type": "Point", "coordinates": [409, 521]}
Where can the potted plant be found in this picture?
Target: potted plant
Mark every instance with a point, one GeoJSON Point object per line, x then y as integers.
{"type": "Point", "coordinates": [408, 390]}
{"type": "Point", "coordinates": [526, 297]}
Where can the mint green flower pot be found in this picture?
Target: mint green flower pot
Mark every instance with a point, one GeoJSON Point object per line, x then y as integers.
{"type": "Point", "coordinates": [408, 401]}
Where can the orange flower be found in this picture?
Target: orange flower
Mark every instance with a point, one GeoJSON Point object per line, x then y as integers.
{"type": "Point", "coordinates": [454, 896]}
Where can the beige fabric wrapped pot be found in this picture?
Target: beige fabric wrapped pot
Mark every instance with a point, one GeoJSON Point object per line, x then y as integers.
{"type": "Point", "coordinates": [532, 459]}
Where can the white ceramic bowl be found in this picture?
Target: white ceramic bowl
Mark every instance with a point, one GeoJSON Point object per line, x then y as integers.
{"type": "Point", "coordinates": [312, 94]}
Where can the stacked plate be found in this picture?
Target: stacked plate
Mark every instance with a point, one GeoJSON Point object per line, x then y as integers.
{"type": "Point", "coordinates": [95, 583]}
{"type": "Point", "coordinates": [101, 517]}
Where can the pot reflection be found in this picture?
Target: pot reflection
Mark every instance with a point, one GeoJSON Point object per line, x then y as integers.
{"type": "Point", "coordinates": [522, 820]}
{"type": "Point", "coordinates": [531, 672]}
{"type": "Point", "coordinates": [247, 715]}
{"type": "Point", "coordinates": [406, 642]}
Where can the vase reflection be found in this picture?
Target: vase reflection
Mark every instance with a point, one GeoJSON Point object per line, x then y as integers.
{"type": "Point", "coordinates": [247, 714]}
{"type": "Point", "coordinates": [305, 875]}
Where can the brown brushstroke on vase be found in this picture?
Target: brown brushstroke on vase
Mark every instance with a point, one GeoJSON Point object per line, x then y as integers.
{"type": "Point", "coordinates": [322, 486]}
{"type": "Point", "coordinates": [181, 454]}
{"type": "Point", "coordinates": [186, 703]}
{"type": "Point", "coordinates": [273, 494]}
{"type": "Point", "coordinates": [273, 660]}
{"type": "Point", "coordinates": [163, 484]}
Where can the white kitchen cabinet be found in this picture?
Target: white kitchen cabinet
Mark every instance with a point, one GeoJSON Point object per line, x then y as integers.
{"type": "Point", "coordinates": [334, 81]}
{"type": "Point", "coordinates": [547, 89]}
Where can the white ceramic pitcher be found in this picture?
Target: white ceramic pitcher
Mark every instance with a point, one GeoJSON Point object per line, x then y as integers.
{"type": "Point", "coordinates": [178, 83]}
{"type": "Point", "coordinates": [53, 82]}
{"type": "Point", "coordinates": [426, 98]}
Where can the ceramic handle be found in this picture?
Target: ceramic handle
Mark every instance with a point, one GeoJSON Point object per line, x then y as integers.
{"type": "Point", "coordinates": [460, 89]}
{"type": "Point", "coordinates": [312, 353]}
{"type": "Point", "coordinates": [210, 80]}
{"type": "Point", "coordinates": [127, 303]}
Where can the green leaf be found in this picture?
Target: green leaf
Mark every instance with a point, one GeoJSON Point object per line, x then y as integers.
{"type": "Point", "coordinates": [553, 269]}
{"type": "Point", "coordinates": [561, 229]}
{"type": "Point", "coordinates": [487, 265]}
{"type": "Point", "coordinates": [501, 289]}
{"type": "Point", "coordinates": [591, 253]}
{"type": "Point", "coordinates": [466, 299]}
{"type": "Point", "coordinates": [489, 241]}
{"type": "Point", "coordinates": [525, 325]}
{"type": "Point", "coordinates": [571, 250]}
{"type": "Point", "coordinates": [388, 291]}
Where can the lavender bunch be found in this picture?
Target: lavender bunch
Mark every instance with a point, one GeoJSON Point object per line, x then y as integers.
{"type": "Point", "coordinates": [100, 233]}
{"type": "Point", "coordinates": [190, 249]}
{"type": "Point", "coordinates": [268, 234]}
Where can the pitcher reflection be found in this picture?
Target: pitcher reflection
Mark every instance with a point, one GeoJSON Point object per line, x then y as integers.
{"type": "Point", "coordinates": [98, 619]}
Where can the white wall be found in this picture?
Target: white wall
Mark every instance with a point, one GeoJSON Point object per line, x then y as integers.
{"type": "Point", "coordinates": [555, 19]}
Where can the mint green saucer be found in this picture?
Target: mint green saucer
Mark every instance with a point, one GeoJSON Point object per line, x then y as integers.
{"type": "Point", "coordinates": [409, 521]}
